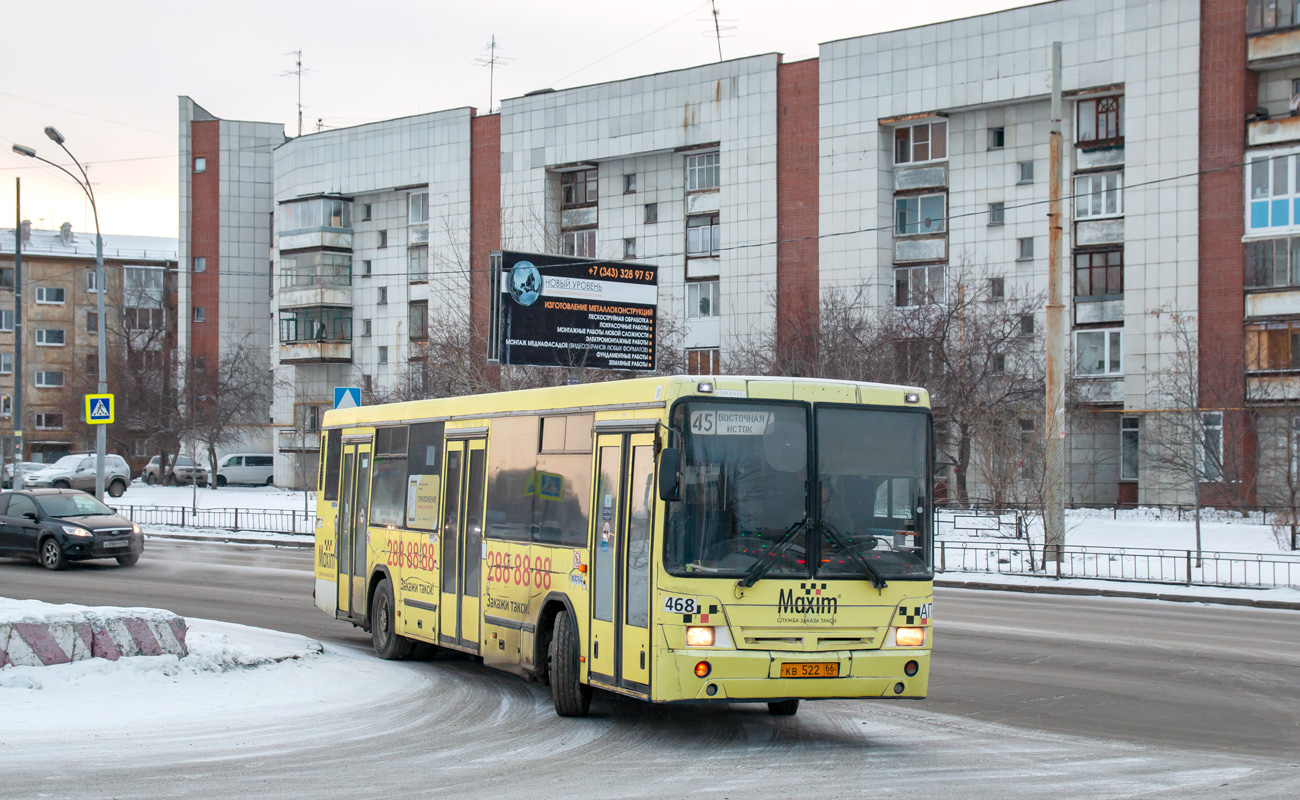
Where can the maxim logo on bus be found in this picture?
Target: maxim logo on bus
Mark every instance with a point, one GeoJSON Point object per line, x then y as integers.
{"type": "Point", "coordinates": [808, 600]}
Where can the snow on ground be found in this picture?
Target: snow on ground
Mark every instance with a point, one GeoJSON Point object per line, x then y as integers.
{"type": "Point", "coordinates": [1042, 583]}
{"type": "Point", "coordinates": [253, 497]}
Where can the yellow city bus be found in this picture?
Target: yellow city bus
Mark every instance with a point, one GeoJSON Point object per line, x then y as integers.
{"type": "Point", "coordinates": [675, 539]}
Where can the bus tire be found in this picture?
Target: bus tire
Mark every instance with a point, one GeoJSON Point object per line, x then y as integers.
{"type": "Point", "coordinates": [572, 697]}
{"type": "Point", "coordinates": [784, 708]}
{"type": "Point", "coordinates": [389, 645]}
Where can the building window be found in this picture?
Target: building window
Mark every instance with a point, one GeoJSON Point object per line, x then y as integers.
{"type": "Point", "coordinates": [365, 268]}
{"type": "Point", "coordinates": [367, 384]}
{"type": "Point", "coordinates": [1273, 346]}
{"type": "Point", "coordinates": [7, 320]}
{"type": "Point", "coordinates": [417, 264]}
{"type": "Point", "coordinates": [200, 363]}
{"type": "Point", "coordinates": [200, 164]}
{"type": "Point", "coordinates": [49, 379]}
{"type": "Point", "coordinates": [200, 264]}
{"type": "Point", "coordinates": [383, 354]}
{"type": "Point", "coordinates": [6, 278]}
{"type": "Point", "coordinates": [997, 288]}
{"type": "Point", "coordinates": [1273, 262]}
{"type": "Point", "coordinates": [925, 141]}
{"type": "Point", "coordinates": [383, 296]}
{"type": "Point", "coordinates": [1025, 249]}
{"type": "Point", "coordinates": [1028, 430]}
{"type": "Point", "coordinates": [1128, 448]}
{"type": "Point", "coordinates": [383, 238]}
{"type": "Point", "coordinates": [144, 319]}
{"type": "Point", "coordinates": [50, 337]}
{"type": "Point", "coordinates": [48, 295]}
{"type": "Point", "coordinates": [997, 213]}
{"type": "Point", "coordinates": [49, 422]}
{"type": "Point", "coordinates": [918, 286]}
{"type": "Point", "coordinates": [90, 281]}
{"type": "Point", "coordinates": [629, 249]}
{"type": "Point", "coordinates": [1212, 447]}
{"type": "Point", "coordinates": [919, 214]}
{"type": "Point", "coordinates": [1026, 324]}
{"type": "Point", "coordinates": [998, 363]}
{"type": "Point", "coordinates": [315, 268]}
{"type": "Point", "coordinates": [199, 314]}
{"type": "Point", "coordinates": [703, 172]}
{"type": "Point", "coordinates": [704, 361]}
{"type": "Point", "coordinates": [6, 363]}
{"type": "Point", "coordinates": [1099, 352]}
{"type": "Point", "coordinates": [1026, 169]}
{"type": "Point", "coordinates": [579, 188]}
{"type": "Point", "coordinates": [92, 323]}
{"type": "Point", "coordinates": [703, 236]}
{"type": "Point", "coordinates": [581, 244]}
{"type": "Point", "coordinates": [417, 320]}
{"type": "Point", "coordinates": [1100, 120]}
{"type": "Point", "coordinates": [6, 410]}
{"type": "Point", "coordinates": [365, 212]}
{"type": "Point", "coordinates": [651, 213]}
{"type": "Point", "coordinates": [365, 327]}
{"type": "Point", "coordinates": [316, 324]}
{"type": "Point", "coordinates": [92, 361]}
{"type": "Point", "coordinates": [1099, 274]}
{"type": "Point", "coordinates": [629, 183]}
{"type": "Point", "coordinates": [1098, 195]}
{"type": "Point", "coordinates": [997, 138]}
{"type": "Point", "coordinates": [701, 299]}
{"type": "Point", "coordinates": [307, 417]}
{"type": "Point", "coordinates": [316, 213]}
{"type": "Point", "coordinates": [1268, 15]}
{"type": "Point", "coordinates": [418, 208]}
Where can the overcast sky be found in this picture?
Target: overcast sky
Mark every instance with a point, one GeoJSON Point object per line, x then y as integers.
{"type": "Point", "coordinates": [107, 74]}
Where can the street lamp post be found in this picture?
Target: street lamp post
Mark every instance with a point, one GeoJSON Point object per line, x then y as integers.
{"type": "Point", "coordinates": [100, 289]}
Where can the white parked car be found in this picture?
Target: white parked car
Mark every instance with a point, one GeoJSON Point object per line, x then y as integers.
{"type": "Point", "coordinates": [254, 469]}
{"type": "Point", "coordinates": [28, 468]}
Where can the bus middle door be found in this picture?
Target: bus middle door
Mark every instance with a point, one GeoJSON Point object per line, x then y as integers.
{"type": "Point", "coordinates": [461, 530]}
{"type": "Point", "coordinates": [350, 536]}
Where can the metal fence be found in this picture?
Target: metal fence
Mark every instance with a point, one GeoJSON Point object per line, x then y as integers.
{"type": "Point", "coordinates": [1150, 565]}
{"type": "Point", "coordinates": [259, 520]}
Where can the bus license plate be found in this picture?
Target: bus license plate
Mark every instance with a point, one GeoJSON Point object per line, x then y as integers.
{"type": "Point", "coordinates": [820, 670]}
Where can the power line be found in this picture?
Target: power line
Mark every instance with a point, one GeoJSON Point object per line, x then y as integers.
{"type": "Point", "coordinates": [629, 44]}
{"type": "Point", "coordinates": [86, 114]}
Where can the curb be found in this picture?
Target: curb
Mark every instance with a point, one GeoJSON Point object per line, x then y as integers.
{"type": "Point", "coordinates": [1086, 591]}
{"type": "Point", "coordinates": [90, 633]}
{"type": "Point", "coordinates": [311, 543]}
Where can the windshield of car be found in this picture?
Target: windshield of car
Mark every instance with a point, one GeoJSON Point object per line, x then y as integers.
{"type": "Point", "coordinates": [743, 486]}
{"type": "Point", "coordinates": [184, 461]}
{"type": "Point", "coordinates": [872, 492]}
{"type": "Point", "coordinates": [71, 505]}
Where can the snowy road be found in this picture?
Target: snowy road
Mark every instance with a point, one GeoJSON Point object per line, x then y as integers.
{"type": "Point", "coordinates": [1031, 696]}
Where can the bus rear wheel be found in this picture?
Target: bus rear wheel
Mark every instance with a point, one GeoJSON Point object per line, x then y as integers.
{"type": "Point", "coordinates": [388, 644]}
{"type": "Point", "coordinates": [783, 708]}
{"type": "Point", "coordinates": [572, 697]}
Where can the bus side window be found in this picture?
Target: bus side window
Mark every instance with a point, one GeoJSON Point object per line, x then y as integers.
{"type": "Point", "coordinates": [330, 469]}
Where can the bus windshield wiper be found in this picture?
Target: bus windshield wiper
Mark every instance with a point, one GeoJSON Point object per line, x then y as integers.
{"type": "Point", "coordinates": [847, 551]}
{"type": "Point", "coordinates": [767, 560]}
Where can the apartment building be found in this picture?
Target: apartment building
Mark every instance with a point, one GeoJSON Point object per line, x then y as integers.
{"type": "Point", "coordinates": [60, 332]}
{"type": "Point", "coordinates": [887, 166]}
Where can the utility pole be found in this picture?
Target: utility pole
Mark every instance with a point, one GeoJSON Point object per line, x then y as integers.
{"type": "Point", "coordinates": [1054, 477]}
{"type": "Point", "coordinates": [18, 335]}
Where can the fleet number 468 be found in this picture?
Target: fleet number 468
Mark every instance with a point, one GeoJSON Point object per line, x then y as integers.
{"type": "Point", "coordinates": [680, 605]}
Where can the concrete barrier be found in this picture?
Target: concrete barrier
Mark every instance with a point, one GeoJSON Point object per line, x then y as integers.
{"type": "Point", "coordinates": [38, 634]}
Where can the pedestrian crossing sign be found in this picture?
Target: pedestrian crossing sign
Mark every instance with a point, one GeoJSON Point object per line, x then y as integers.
{"type": "Point", "coordinates": [99, 409]}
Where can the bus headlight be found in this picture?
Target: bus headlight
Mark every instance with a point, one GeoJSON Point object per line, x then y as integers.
{"type": "Point", "coordinates": [699, 637]}
{"type": "Point", "coordinates": [909, 637]}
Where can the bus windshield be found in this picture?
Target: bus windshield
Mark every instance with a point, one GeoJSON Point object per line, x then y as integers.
{"type": "Point", "coordinates": [744, 485]}
{"type": "Point", "coordinates": [872, 492]}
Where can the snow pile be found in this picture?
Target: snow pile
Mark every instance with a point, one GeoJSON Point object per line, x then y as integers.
{"type": "Point", "coordinates": [39, 634]}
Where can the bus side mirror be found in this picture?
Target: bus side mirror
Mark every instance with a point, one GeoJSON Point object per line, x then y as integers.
{"type": "Point", "coordinates": [670, 461]}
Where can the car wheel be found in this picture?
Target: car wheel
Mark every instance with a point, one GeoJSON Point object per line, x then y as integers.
{"type": "Point", "coordinates": [128, 561]}
{"type": "Point", "coordinates": [117, 488]}
{"type": "Point", "coordinates": [572, 697]}
{"type": "Point", "coordinates": [270, 481]}
{"type": "Point", "coordinates": [171, 480]}
{"type": "Point", "coordinates": [61, 485]}
{"type": "Point", "coordinates": [150, 478]}
{"type": "Point", "coordinates": [52, 554]}
{"type": "Point", "coordinates": [221, 481]}
{"type": "Point", "coordinates": [783, 708]}
{"type": "Point", "coordinates": [388, 643]}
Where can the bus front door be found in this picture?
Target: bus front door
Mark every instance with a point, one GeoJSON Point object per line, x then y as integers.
{"type": "Point", "coordinates": [620, 614]}
{"type": "Point", "coordinates": [351, 526]}
{"type": "Point", "coordinates": [464, 477]}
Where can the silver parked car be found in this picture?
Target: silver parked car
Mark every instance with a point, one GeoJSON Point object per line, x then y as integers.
{"type": "Point", "coordinates": [185, 471]}
{"type": "Point", "coordinates": [78, 472]}
{"type": "Point", "coordinates": [28, 468]}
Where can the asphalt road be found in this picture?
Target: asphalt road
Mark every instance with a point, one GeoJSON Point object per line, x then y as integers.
{"type": "Point", "coordinates": [1083, 696]}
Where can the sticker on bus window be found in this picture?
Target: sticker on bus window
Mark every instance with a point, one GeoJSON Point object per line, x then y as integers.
{"type": "Point", "coordinates": [724, 422]}
{"type": "Point", "coordinates": [681, 605]}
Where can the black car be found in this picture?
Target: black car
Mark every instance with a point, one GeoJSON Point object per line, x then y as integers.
{"type": "Point", "coordinates": [61, 525]}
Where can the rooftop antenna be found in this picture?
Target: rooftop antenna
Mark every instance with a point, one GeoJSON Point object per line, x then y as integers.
{"type": "Point", "coordinates": [297, 71]}
{"type": "Point", "coordinates": [491, 59]}
{"type": "Point", "coordinates": [718, 27]}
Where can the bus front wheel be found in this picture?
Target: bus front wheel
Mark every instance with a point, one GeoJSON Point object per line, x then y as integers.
{"type": "Point", "coordinates": [388, 644]}
{"type": "Point", "coordinates": [572, 697]}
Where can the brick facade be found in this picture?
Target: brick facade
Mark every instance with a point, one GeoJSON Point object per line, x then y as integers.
{"type": "Point", "coordinates": [797, 188]}
{"type": "Point", "coordinates": [205, 242]}
{"type": "Point", "coordinates": [485, 217]}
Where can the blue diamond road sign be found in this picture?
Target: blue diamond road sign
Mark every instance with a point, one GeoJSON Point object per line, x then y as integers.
{"type": "Point", "coordinates": [347, 397]}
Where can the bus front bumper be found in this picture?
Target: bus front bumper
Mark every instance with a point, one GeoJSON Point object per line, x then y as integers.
{"type": "Point", "coordinates": [745, 675]}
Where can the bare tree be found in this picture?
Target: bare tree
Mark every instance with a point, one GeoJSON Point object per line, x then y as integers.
{"type": "Point", "coordinates": [218, 397]}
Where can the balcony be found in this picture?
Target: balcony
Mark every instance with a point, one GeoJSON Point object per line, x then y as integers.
{"type": "Point", "coordinates": [1272, 388]}
{"type": "Point", "coordinates": [1281, 130]}
{"type": "Point", "coordinates": [319, 335]}
{"type": "Point", "coordinates": [293, 440]}
{"type": "Point", "coordinates": [1273, 34]}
